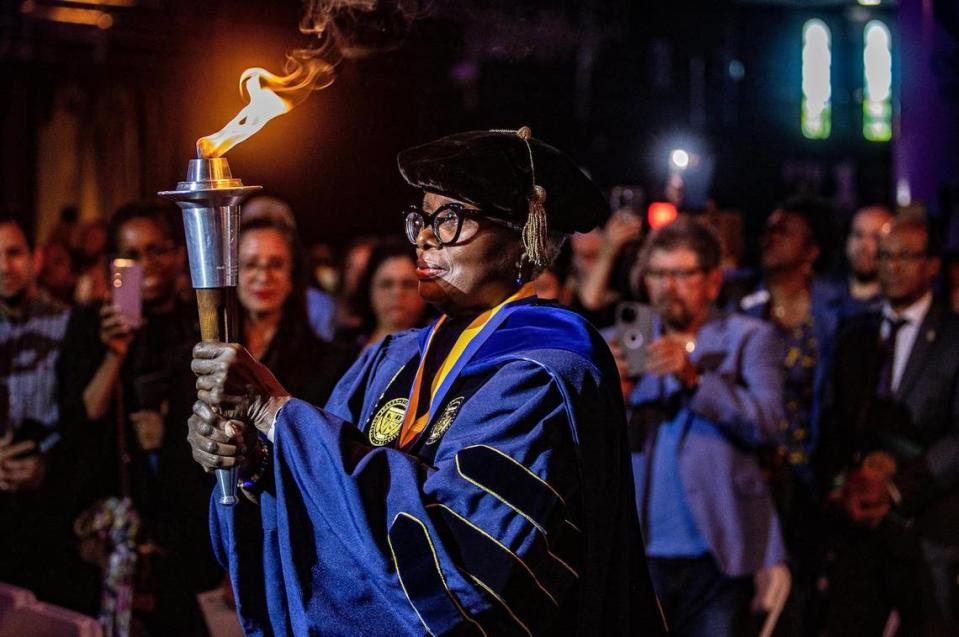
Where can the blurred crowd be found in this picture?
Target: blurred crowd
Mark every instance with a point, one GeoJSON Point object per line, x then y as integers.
{"type": "Point", "coordinates": [794, 425]}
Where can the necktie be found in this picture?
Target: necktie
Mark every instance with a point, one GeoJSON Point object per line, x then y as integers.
{"type": "Point", "coordinates": [887, 353]}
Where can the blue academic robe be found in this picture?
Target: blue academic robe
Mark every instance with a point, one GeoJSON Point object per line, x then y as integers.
{"type": "Point", "coordinates": [512, 513]}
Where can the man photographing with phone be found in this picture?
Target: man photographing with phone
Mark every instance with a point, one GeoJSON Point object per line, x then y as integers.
{"type": "Point", "coordinates": [710, 392]}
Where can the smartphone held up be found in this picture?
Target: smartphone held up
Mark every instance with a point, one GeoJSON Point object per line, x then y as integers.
{"type": "Point", "coordinates": [634, 329]}
{"type": "Point", "coordinates": [126, 278]}
{"type": "Point", "coordinates": [627, 199]}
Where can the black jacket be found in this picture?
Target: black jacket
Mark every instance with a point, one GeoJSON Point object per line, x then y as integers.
{"type": "Point", "coordinates": [918, 425]}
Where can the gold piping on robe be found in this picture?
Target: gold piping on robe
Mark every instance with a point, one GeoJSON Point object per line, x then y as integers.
{"type": "Point", "coordinates": [502, 546]}
{"type": "Point", "coordinates": [536, 524]}
{"type": "Point", "coordinates": [500, 600]}
{"type": "Point", "coordinates": [439, 570]}
{"type": "Point", "coordinates": [532, 475]}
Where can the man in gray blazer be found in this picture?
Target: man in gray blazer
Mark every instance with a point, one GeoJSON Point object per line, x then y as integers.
{"type": "Point", "coordinates": [711, 393]}
{"type": "Point", "coordinates": [892, 442]}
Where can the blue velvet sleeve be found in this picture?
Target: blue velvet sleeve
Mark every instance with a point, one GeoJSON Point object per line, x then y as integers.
{"type": "Point", "coordinates": [371, 540]}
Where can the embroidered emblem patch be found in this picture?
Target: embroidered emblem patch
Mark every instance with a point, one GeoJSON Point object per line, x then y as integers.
{"type": "Point", "coordinates": [387, 422]}
{"type": "Point", "coordinates": [445, 420]}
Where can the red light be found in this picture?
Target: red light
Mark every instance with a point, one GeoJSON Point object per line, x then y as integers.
{"type": "Point", "coordinates": [661, 213]}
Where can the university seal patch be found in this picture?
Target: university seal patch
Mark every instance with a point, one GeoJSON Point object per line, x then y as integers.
{"type": "Point", "coordinates": [387, 422]}
{"type": "Point", "coordinates": [445, 420]}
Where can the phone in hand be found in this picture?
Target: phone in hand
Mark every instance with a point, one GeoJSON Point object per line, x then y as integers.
{"type": "Point", "coordinates": [126, 277]}
{"type": "Point", "coordinates": [29, 431]}
{"type": "Point", "coordinates": [634, 329]}
{"type": "Point", "coordinates": [627, 198]}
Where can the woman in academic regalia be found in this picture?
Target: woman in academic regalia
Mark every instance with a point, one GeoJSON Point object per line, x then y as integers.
{"type": "Point", "coordinates": [468, 477]}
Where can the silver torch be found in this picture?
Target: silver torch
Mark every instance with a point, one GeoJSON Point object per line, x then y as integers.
{"type": "Point", "coordinates": [210, 199]}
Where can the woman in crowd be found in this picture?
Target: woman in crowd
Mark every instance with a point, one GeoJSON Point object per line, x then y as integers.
{"type": "Point", "coordinates": [275, 328]}
{"type": "Point", "coordinates": [124, 401]}
{"type": "Point", "coordinates": [387, 293]}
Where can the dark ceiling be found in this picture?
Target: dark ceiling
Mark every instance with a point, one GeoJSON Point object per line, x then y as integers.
{"type": "Point", "coordinates": [615, 82]}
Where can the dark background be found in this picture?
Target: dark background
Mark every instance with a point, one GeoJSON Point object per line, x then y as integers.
{"type": "Point", "coordinates": [615, 83]}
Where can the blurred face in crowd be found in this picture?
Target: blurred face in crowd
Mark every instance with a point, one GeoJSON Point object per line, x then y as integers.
{"type": "Point", "coordinates": [91, 239]}
{"type": "Point", "coordinates": [266, 271]}
{"type": "Point", "coordinates": [548, 286]}
{"type": "Point", "coordinates": [787, 242]}
{"type": "Point", "coordinates": [17, 266]}
{"type": "Point", "coordinates": [586, 247]}
{"type": "Point", "coordinates": [57, 269]}
{"type": "Point", "coordinates": [906, 271]}
{"type": "Point", "coordinates": [952, 278]}
{"type": "Point", "coordinates": [354, 266]}
{"type": "Point", "coordinates": [325, 273]}
{"type": "Point", "coordinates": [394, 295]}
{"type": "Point", "coordinates": [475, 273]}
{"type": "Point", "coordinates": [145, 241]}
{"type": "Point", "coordinates": [862, 244]}
{"type": "Point", "coordinates": [679, 288]}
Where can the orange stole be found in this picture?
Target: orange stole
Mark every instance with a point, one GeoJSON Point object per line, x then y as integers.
{"type": "Point", "coordinates": [413, 426]}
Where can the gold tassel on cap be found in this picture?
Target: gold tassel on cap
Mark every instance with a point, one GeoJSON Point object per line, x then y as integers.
{"type": "Point", "coordinates": [535, 232]}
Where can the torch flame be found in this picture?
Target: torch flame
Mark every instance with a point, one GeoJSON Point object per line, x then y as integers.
{"type": "Point", "coordinates": [270, 96]}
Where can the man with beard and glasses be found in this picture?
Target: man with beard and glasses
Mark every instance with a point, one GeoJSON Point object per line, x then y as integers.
{"type": "Point", "coordinates": [861, 289]}
{"type": "Point", "coordinates": [711, 393]}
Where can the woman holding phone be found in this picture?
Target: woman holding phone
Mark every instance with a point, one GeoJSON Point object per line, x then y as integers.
{"type": "Point", "coordinates": [124, 405]}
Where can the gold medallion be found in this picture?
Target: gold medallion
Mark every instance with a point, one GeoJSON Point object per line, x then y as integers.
{"type": "Point", "coordinates": [445, 420]}
{"type": "Point", "coordinates": [388, 421]}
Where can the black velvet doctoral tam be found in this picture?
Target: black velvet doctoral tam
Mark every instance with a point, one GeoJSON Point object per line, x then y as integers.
{"type": "Point", "coordinates": [491, 170]}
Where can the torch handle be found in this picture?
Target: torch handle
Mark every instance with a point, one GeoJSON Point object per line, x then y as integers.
{"type": "Point", "coordinates": [218, 322]}
{"type": "Point", "coordinates": [218, 314]}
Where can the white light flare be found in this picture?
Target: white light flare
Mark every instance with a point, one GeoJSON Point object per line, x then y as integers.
{"type": "Point", "coordinates": [816, 114]}
{"type": "Point", "coordinates": [877, 73]}
{"type": "Point", "coordinates": [679, 159]}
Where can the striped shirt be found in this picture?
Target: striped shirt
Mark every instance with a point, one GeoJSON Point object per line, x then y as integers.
{"type": "Point", "coordinates": [29, 348]}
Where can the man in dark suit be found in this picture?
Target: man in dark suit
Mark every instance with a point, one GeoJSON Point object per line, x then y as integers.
{"type": "Point", "coordinates": [893, 432]}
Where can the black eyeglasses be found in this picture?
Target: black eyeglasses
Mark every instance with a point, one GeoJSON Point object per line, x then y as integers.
{"type": "Point", "coordinates": [682, 276]}
{"type": "Point", "coordinates": [446, 221]}
{"type": "Point", "coordinates": [907, 256]}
